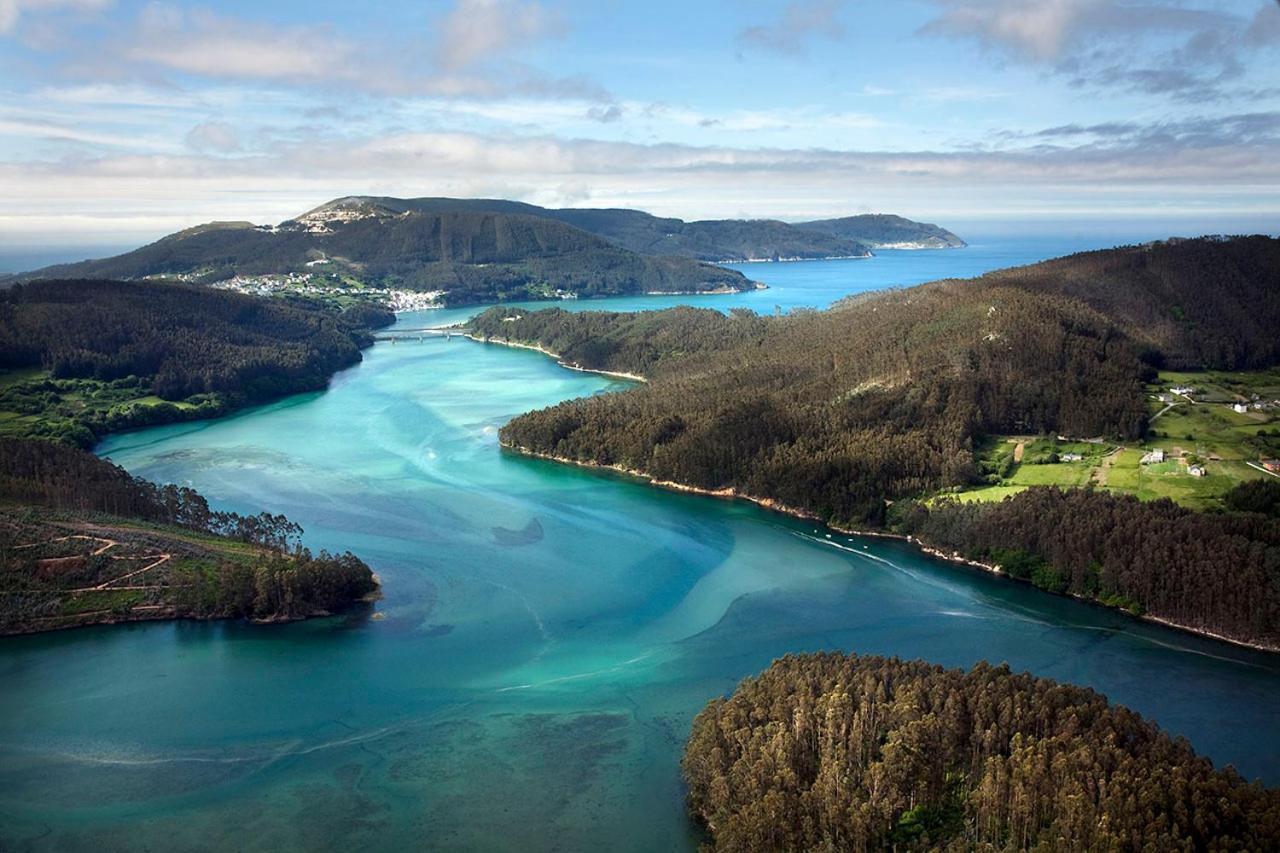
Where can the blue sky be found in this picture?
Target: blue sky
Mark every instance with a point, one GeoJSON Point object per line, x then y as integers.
{"type": "Point", "coordinates": [121, 121]}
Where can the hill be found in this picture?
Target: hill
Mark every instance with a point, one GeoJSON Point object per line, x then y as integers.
{"type": "Point", "coordinates": [715, 240]}
{"type": "Point", "coordinates": [885, 231]}
{"type": "Point", "coordinates": [82, 542]}
{"type": "Point", "coordinates": [1203, 304]}
{"type": "Point", "coordinates": [462, 256]}
{"type": "Point", "coordinates": [884, 396]}
{"type": "Point", "coordinates": [79, 359]}
{"type": "Point", "coordinates": [835, 752]}
{"type": "Point", "coordinates": [845, 415]}
{"type": "Point", "coordinates": [726, 240]}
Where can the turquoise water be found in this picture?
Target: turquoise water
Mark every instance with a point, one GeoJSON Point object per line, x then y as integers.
{"type": "Point", "coordinates": [817, 284]}
{"type": "Point", "coordinates": [546, 635]}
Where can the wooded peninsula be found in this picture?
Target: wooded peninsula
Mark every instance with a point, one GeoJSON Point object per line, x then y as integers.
{"type": "Point", "coordinates": [868, 415]}
{"type": "Point", "coordinates": [82, 541]}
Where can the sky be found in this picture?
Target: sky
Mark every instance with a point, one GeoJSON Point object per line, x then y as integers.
{"type": "Point", "coordinates": [122, 121]}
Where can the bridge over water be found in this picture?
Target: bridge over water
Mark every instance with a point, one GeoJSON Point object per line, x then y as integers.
{"type": "Point", "coordinates": [394, 335]}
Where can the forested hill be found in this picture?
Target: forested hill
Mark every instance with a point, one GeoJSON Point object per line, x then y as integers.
{"type": "Point", "coordinates": [1213, 572]}
{"type": "Point", "coordinates": [881, 230]}
{"type": "Point", "coordinates": [1204, 303]}
{"type": "Point", "coordinates": [714, 239]}
{"type": "Point", "coordinates": [708, 239]}
{"type": "Point", "coordinates": [705, 240]}
{"type": "Point", "coordinates": [82, 542]}
{"type": "Point", "coordinates": [828, 752]}
{"type": "Point", "coordinates": [89, 357]}
{"type": "Point", "coordinates": [841, 414]}
{"type": "Point", "coordinates": [468, 257]}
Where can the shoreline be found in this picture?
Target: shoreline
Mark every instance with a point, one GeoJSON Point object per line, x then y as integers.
{"type": "Point", "coordinates": [169, 613]}
{"type": "Point", "coordinates": [929, 550]}
{"type": "Point", "coordinates": [795, 260]}
{"type": "Point", "coordinates": [617, 374]}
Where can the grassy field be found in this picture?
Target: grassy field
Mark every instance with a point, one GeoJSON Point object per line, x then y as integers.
{"type": "Point", "coordinates": [35, 405]}
{"type": "Point", "coordinates": [1198, 429]}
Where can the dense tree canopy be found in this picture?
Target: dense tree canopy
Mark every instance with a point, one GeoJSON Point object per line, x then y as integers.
{"type": "Point", "coordinates": [54, 497]}
{"type": "Point", "coordinates": [1209, 303]}
{"type": "Point", "coordinates": [884, 395]}
{"type": "Point", "coordinates": [212, 349]}
{"type": "Point", "coordinates": [831, 752]}
{"type": "Point", "coordinates": [47, 474]}
{"type": "Point", "coordinates": [473, 255]}
{"type": "Point", "coordinates": [191, 340]}
{"type": "Point", "coordinates": [1217, 572]}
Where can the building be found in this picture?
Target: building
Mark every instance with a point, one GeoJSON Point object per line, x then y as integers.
{"type": "Point", "coordinates": [1272, 465]}
{"type": "Point", "coordinates": [1240, 408]}
{"type": "Point", "coordinates": [1152, 457]}
{"type": "Point", "coordinates": [1196, 470]}
{"type": "Point", "coordinates": [1070, 457]}
{"type": "Point", "coordinates": [1183, 390]}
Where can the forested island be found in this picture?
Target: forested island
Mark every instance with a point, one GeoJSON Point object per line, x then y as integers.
{"type": "Point", "coordinates": [80, 359]}
{"type": "Point", "coordinates": [866, 415]}
{"type": "Point", "coordinates": [83, 542]}
{"type": "Point", "coordinates": [835, 752]}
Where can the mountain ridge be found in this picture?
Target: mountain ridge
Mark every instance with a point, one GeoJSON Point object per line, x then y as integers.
{"type": "Point", "coordinates": [714, 240]}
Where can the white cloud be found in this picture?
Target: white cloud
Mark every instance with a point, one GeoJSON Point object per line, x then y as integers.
{"type": "Point", "coordinates": [213, 136]}
{"type": "Point", "coordinates": [203, 43]}
{"type": "Point", "coordinates": [473, 54]}
{"type": "Point", "coordinates": [1189, 50]}
{"type": "Point", "coordinates": [1036, 30]}
{"type": "Point", "coordinates": [479, 31]}
{"type": "Point", "coordinates": [71, 133]}
{"type": "Point", "coordinates": [1071, 170]}
{"type": "Point", "coordinates": [11, 11]}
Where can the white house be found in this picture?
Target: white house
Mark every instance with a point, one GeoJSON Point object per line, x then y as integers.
{"type": "Point", "coordinates": [1240, 408]}
{"type": "Point", "coordinates": [1196, 470]}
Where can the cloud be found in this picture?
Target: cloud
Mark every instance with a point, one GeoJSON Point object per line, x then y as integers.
{"type": "Point", "coordinates": [474, 54]}
{"type": "Point", "coordinates": [1265, 28]}
{"type": "Point", "coordinates": [1240, 150]}
{"type": "Point", "coordinates": [1235, 131]}
{"type": "Point", "coordinates": [479, 31]}
{"type": "Point", "coordinates": [605, 115]}
{"type": "Point", "coordinates": [204, 43]}
{"type": "Point", "coordinates": [1213, 167]}
{"type": "Point", "coordinates": [13, 10]}
{"type": "Point", "coordinates": [70, 132]}
{"type": "Point", "coordinates": [1190, 52]}
{"type": "Point", "coordinates": [801, 21]}
{"type": "Point", "coordinates": [213, 136]}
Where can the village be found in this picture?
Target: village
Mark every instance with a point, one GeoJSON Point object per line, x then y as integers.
{"type": "Point", "coordinates": [1208, 432]}
{"type": "Point", "coordinates": [327, 288]}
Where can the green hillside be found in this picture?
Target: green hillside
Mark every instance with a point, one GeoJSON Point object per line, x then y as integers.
{"type": "Point", "coordinates": [464, 257]}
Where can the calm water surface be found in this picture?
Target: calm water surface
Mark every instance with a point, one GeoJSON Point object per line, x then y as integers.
{"type": "Point", "coordinates": [546, 636]}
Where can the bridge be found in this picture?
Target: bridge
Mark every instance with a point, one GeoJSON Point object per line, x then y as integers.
{"type": "Point", "coordinates": [394, 335]}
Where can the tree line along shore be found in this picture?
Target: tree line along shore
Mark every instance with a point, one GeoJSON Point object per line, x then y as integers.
{"type": "Point", "coordinates": [885, 414]}
{"type": "Point", "coordinates": [82, 541]}
{"type": "Point", "coordinates": [872, 414]}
